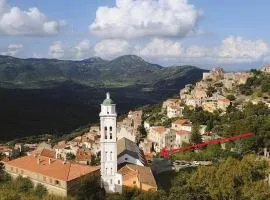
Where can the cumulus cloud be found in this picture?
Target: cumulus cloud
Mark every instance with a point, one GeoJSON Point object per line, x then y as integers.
{"type": "Point", "coordinates": [161, 47]}
{"type": "Point", "coordinates": [238, 49]}
{"type": "Point", "coordinates": [14, 21]}
{"type": "Point", "coordinates": [59, 50]}
{"type": "Point", "coordinates": [138, 18]}
{"type": "Point", "coordinates": [13, 50]}
{"type": "Point", "coordinates": [231, 50]}
{"type": "Point", "coordinates": [112, 47]}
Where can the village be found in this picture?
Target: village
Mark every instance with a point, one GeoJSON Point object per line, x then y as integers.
{"type": "Point", "coordinates": [59, 167]}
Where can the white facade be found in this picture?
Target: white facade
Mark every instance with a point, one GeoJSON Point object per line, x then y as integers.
{"type": "Point", "coordinates": [111, 180]}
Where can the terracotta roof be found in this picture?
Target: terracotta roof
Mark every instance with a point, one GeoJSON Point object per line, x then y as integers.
{"type": "Point", "coordinates": [159, 129]}
{"type": "Point", "coordinates": [183, 132]}
{"type": "Point", "coordinates": [57, 169]}
{"type": "Point", "coordinates": [181, 121]}
{"type": "Point", "coordinates": [144, 174]}
{"type": "Point", "coordinates": [83, 156]}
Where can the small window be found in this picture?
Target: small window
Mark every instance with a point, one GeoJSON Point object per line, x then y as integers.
{"type": "Point", "coordinates": [110, 135]}
{"type": "Point", "coordinates": [11, 168]}
{"type": "Point", "coordinates": [134, 182]}
{"type": "Point", "coordinates": [118, 182]}
{"type": "Point", "coordinates": [17, 170]}
{"type": "Point", "coordinates": [111, 171]}
{"type": "Point", "coordinates": [126, 158]}
{"type": "Point", "coordinates": [110, 128]}
{"type": "Point", "coordinates": [57, 182]}
{"type": "Point", "coordinates": [106, 171]}
{"type": "Point", "coordinates": [111, 155]}
{"type": "Point", "coordinates": [22, 171]}
{"type": "Point", "coordinates": [44, 178]}
{"type": "Point", "coordinates": [111, 181]}
{"type": "Point", "coordinates": [50, 180]}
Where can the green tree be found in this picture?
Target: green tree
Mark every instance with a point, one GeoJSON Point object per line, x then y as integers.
{"type": "Point", "coordinates": [40, 191]}
{"type": "Point", "coordinates": [70, 156]}
{"type": "Point", "coordinates": [195, 134]}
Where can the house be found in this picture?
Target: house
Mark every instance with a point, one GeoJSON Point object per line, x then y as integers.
{"type": "Point", "coordinates": [128, 128]}
{"type": "Point", "coordinates": [83, 157]}
{"type": "Point", "coordinates": [265, 69]}
{"type": "Point", "coordinates": [161, 137]}
{"type": "Point", "coordinates": [59, 177]}
{"type": "Point", "coordinates": [182, 124]}
{"type": "Point", "coordinates": [182, 136]}
{"type": "Point", "coordinates": [174, 111]}
{"type": "Point", "coordinates": [223, 103]}
{"type": "Point", "coordinates": [129, 152]}
{"type": "Point", "coordinates": [140, 177]}
{"type": "Point", "coordinates": [171, 102]}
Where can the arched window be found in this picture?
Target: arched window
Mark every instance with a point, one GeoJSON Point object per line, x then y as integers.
{"type": "Point", "coordinates": [110, 135]}
{"type": "Point", "coordinates": [110, 132]}
{"type": "Point", "coordinates": [111, 155]}
{"type": "Point", "coordinates": [105, 132]}
{"type": "Point", "coordinates": [111, 171]}
{"type": "Point", "coordinates": [106, 155]}
{"type": "Point", "coordinates": [110, 128]}
{"type": "Point", "coordinates": [106, 171]}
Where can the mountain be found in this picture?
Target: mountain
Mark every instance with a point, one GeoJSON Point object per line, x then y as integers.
{"type": "Point", "coordinates": [56, 96]}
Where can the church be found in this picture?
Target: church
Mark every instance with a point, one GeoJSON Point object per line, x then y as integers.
{"type": "Point", "coordinates": [117, 172]}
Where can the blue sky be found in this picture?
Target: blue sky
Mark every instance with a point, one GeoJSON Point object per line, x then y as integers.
{"type": "Point", "coordinates": [233, 34]}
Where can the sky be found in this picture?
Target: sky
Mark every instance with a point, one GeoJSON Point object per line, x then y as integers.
{"type": "Point", "coordinates": [228, 33]}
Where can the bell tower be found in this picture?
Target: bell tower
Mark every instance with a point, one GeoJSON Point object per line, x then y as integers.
{"type": "Point", "coordinates": [110, 179]}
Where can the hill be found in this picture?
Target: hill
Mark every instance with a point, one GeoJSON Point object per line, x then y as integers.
{"type": "Point", "coordinates": [56, 96]}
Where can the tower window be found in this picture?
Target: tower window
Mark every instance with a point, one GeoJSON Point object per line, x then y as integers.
{"type": "Point", "coordinates": [110, 128]}
{"type": "Point", "coordinates": [111, 171]}
{"type": "Point", "coordinates": [111, 181]}
{"type": "Point", "coordinates": [111, 155]}
{"type": "Point", "coordinates": [118, 182]}
{"type": "Point", "coordinates": [110, 135]}
{"type": "Point", "coordinates": [105, 131]}
{"type": "Point", "coordinates": [106, 155]}
{"type": "Point", "coordinates": [106, 171]}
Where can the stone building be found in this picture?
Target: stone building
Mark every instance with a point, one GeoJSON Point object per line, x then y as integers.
{"type": "Point", "coordinates": [59, 177]}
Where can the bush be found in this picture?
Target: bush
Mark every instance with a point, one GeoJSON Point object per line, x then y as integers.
{"type": "Point", "coordinates": [40, 190]}
{"type": "Point", "coordinates": [23, 184]}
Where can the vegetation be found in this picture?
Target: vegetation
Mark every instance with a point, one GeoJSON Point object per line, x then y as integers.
{"type": "Point", "coordinates": [196, 137]}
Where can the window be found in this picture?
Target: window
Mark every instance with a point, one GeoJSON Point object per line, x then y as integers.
{"type": "Point", "coordinates": [22, 171]}
{"type": "Point", "coordinates": [111, 171]}
{"type": "Point", "coordinates": [57, 182]}
{"type": "Point", "coordinates": [110, 135]}
{"type": "Point", "coordinates": [106, 155]}
{"type": "Point", "coordinates": [118, 182]}
{"type": "Point", "coordinates": [111, 155]}
{"type": "Point", "coordinates": [11, 168]}
{"type": "Point", "coordinates": [50, 180]}
{"type": "Point", "coordinates": [110, 128]}
{"type": "Point", "coordinates": [134, 182]}
{"type": "Point", "coordinates": [126, 158]}
{"type": "Point", "coordinates": [105, 131]}
{"type": "Point", "coordinates": [106, 171]}
{"type": "Point", "coordinates": [111, 181]}
{"type": "Point", "coordinates": [44, 178]}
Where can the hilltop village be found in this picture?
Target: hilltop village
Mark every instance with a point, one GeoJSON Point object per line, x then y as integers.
{"type": "Point", "coordinates": [126, 153]}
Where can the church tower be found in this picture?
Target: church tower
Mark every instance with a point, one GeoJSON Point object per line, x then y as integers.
{"type": "Point", "coordinates": [110, 179]}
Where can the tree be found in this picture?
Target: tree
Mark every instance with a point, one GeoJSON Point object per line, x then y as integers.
{"type": "Point", "coordinates": [195, 134]}
{"type": "Point", "coordinates": [23, 184]}
{"type": "Point", "coordinates": [70, 156]}
{"type": "Point", "coordinates": [231, 97]}
{"type": "Point", "coordinates": [40, 191]}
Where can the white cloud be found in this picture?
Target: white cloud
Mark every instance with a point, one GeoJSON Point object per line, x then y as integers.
{"type": "Point", "coordinates": [231, 50]}
{"type": "Point", "coordinates": [82, 49]}
{"type": "Point", "coordinates": [56, 50]}
{"type": "Point", "coordinates": [161, 47]}
{"type": "Point", "coordinates": [59, 50]}
{"type": "Point", "coordinates": [138, 18]}
{"type": "Point", "coordinates": [15, 21]}
{"type": "Point", "coordinates": [238, 49]}
{"type": "Point", "coordinates": [112, 47]}
{"type": "Point", "coordinates": [13, 50]}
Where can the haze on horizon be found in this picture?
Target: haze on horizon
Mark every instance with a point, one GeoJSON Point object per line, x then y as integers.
{"type": "Point", "coordinates": [167, 32]}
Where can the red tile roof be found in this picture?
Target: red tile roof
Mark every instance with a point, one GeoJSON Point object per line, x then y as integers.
{"type": "Point", "coordinates": [57, 169]}
{"type": "Point", "coordinates": [182, 132]}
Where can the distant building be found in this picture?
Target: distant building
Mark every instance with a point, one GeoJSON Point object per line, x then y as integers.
{"type": "Point", "coordinates": [265, 68]}
{"type": "Point", "coordinates": [59, 177]}
{"type": "Point", "coordinates": [174, 111]}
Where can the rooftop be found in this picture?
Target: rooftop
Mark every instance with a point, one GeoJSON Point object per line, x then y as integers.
{"type": "Point", "coordinates": [57, 169]}
{"type": "Point", "coordinates": [159, 129]}
{"type": "Point", "coordinates": [183, 132]}
{"type": "Point", "coordinates": [144, 174]}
